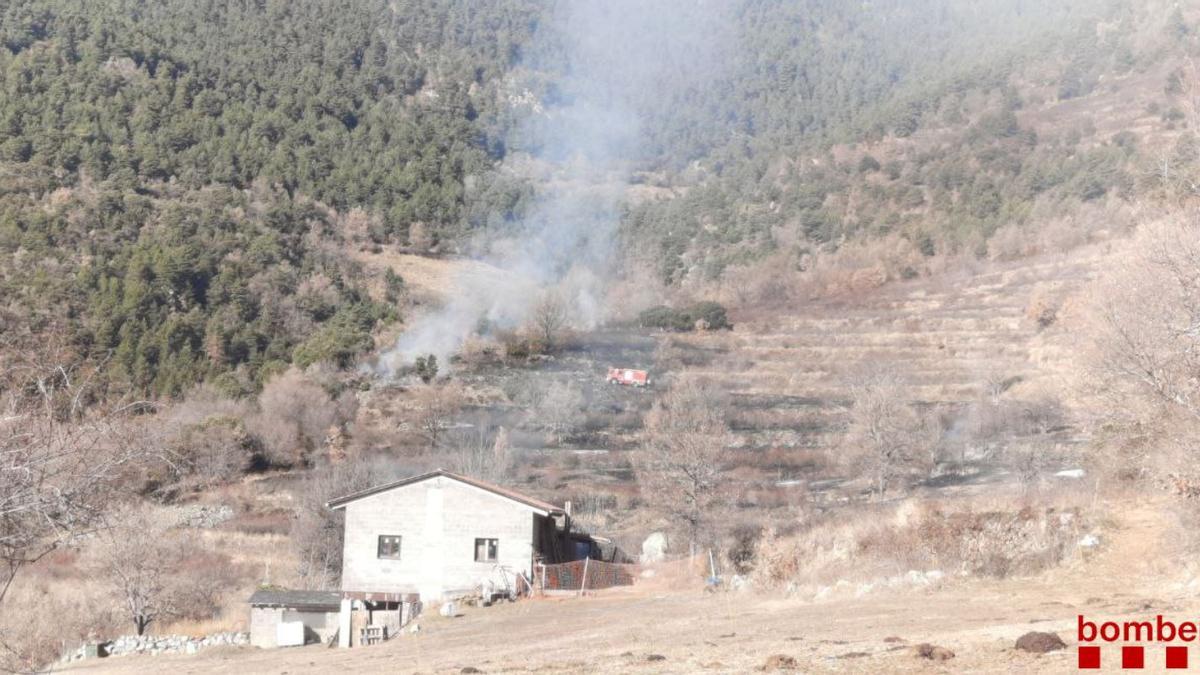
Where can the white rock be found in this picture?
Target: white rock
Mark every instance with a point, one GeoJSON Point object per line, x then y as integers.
{"type": "Point", "coordinates": [1089, 541]}
{"type": "Point", "coordinates": [654, 548]}
{"type": "Point", "coordinates": [1071, 473]}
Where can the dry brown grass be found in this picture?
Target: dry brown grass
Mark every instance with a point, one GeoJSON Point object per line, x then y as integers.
{"type": "Point", "coordinates": [989, 537]}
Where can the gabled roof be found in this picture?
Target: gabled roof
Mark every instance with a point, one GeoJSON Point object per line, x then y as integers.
{"type": "Point", "coordinates": [545, 508]}
{"type": "Point", "coordinates": [316, 600]}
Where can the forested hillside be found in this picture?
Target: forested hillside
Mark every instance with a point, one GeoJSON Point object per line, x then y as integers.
{"type": "Point", "coordinates": [179, 180]}
{"type": "Point", "coordinates": [171, 170]}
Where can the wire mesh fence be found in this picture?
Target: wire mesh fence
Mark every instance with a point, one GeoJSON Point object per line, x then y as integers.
{"type": "Point", "coordinates": [584, 575]}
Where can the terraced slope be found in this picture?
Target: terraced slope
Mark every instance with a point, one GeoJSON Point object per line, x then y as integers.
{"type": "Point", "coordinates": [949, 338]}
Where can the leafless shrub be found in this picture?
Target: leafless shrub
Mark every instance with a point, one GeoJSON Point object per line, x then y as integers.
{"type": "Point", "coordinates": [357, 225]}
{"type": "Point", "coordinates": [1042, 309]}
{"type": "Point", "coordinates": [420, 237]}
{"type": "Point", "coordinates": [212, 452]}
{"type": "Point", "coordinates": [979, 539]}
{"type": "Point", "coordinates": [295, 416]}
{"type": "Point", "coordinates": [1010, 242]}
{"type": "Point", "coordinates": [560, 410]}
{"type": "Point", "coordinates": [483, 452]}
{"type": "Point", "coordinates": [771, 281]}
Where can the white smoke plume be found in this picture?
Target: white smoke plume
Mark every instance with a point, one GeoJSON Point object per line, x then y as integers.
{"type": "Point", "coordinates": [611, 61]}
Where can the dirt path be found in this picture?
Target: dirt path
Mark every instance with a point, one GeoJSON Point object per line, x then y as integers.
{"type": "Point", "coordinates": [627, 630]}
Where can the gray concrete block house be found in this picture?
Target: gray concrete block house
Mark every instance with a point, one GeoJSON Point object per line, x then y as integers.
{"type": "Point", "coordinates": [434, 536]}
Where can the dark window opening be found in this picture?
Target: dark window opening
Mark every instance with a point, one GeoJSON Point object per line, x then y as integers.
{"type": "Point", "coordinates": [389, 546]}
{"type": "Point", "coordinates": [486, 550]}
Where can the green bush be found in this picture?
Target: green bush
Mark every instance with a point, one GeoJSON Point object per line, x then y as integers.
{"type": "Point", "coordinates": [712, 314]}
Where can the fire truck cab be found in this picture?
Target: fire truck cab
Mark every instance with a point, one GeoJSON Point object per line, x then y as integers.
{"type": "Point", "coordinates": [628, 376]}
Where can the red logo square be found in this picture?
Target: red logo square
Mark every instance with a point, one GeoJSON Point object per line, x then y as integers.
{"type": "Point", "coordinates": [1089, 658]}
{"type": "Point", "coordinates": [1177, 657]}
{"type": "Point", "coordinates": [1133, 657]}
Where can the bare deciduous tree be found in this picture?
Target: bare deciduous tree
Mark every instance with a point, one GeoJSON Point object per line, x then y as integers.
{"type": "Point", "coordinates": [1141, 369]}
{"type": "Point", "coordinates": [887, 437]}
{"type": "Point", "coordinates": [436, 407]}
{"type": "Point", "coordinates": [165, 574]}
{"type": "Point", "coordinates": [549, 320]}
{"type": "Point", "coordinates": [62, 457]}
{"type": "Point", "coordinates": [681, 468]}
{"type": "Point", "coordinates": [141, 575]}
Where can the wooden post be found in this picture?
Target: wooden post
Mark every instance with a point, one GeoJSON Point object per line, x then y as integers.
{"type": "Point", "coordinates": [583, 584]}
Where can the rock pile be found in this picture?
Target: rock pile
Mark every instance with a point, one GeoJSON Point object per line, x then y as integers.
{"type": "Point", "coordinates": [1040, 643]}
{"type": "Point", "coordinates": [155, 645]}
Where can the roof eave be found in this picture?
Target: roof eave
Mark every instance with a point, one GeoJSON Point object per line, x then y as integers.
{"type": "Point", "coordinates": [340, 502]}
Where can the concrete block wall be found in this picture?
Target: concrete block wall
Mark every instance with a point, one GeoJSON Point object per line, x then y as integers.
{"type": "Point", "coordinates": [263, 621]}
{"type": "Point", "coordinates": [438, 521]}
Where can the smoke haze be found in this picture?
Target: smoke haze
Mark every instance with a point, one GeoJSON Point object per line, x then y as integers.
{"type": "Point", "coordinates": [618, 61]}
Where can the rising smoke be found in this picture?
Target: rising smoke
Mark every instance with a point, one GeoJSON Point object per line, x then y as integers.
{"type": "Point", "coordinates": [612, 64]}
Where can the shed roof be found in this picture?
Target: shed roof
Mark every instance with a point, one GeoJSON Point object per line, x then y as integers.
{"type": "Point", "coordinates": [308, 599]}
{"type": "Point", "coordinates": [545, 508]}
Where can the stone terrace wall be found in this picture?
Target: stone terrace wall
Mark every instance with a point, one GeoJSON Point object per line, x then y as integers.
{"type": "Point", "coordinates": [154, 645]}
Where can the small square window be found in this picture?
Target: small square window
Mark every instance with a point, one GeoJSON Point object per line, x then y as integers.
{"type": "Point", "coordinates": [389, 546]}
{"type": "Point", "coordinates": [487, 550]}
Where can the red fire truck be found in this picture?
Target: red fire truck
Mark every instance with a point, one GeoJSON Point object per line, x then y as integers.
{"type": "Point", "coordinates": [628, 376]}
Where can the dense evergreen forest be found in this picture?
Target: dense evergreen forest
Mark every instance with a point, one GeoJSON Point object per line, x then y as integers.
{"type": "Point", "coordinates": [175, 176]}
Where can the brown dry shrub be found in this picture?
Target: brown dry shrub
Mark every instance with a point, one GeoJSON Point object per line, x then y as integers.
{"type": "Point", "coordinates": [295, 416]}
{"type": "Point", "coordinates": [1042, 309]}
{"type": "Point", "coordinates": [978, 540]}
{"type": "Point", "coordinates": [478, 350]}
{"type": "Point", "coordinates": [772, 281]}
{"type": "Point", "coordinates": [42, 614]}
{"type": "Point", "coordinates": [1010, 242]}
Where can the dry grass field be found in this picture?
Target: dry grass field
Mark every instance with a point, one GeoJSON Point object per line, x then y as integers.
{"type": "Point", "coordinates": [650, 630]}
